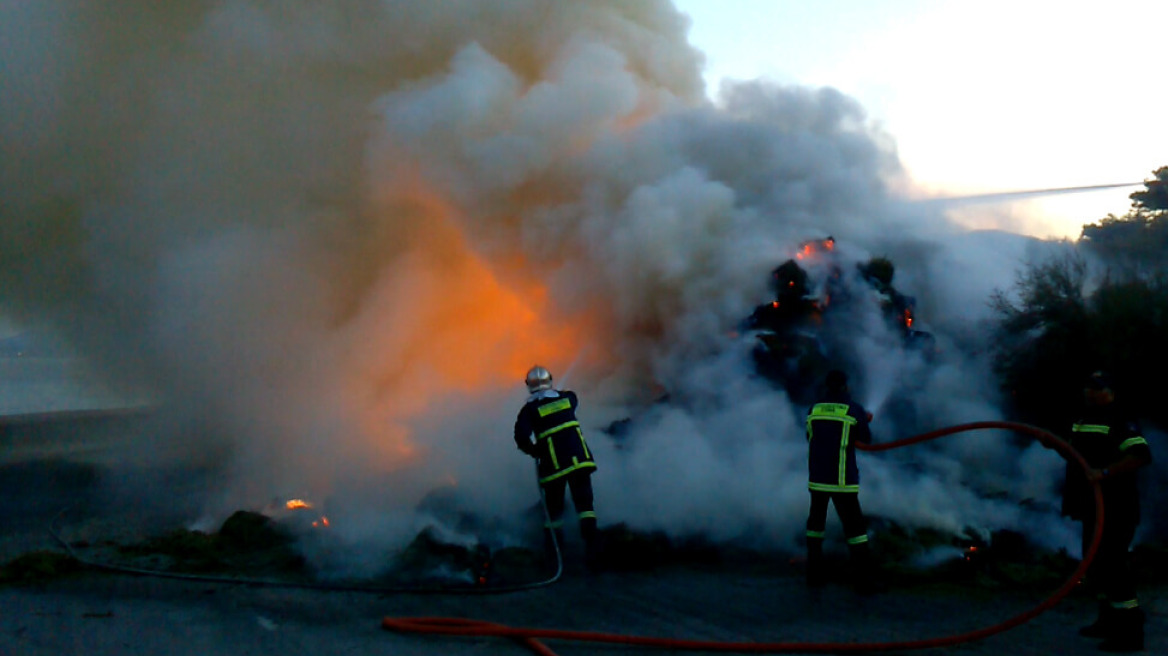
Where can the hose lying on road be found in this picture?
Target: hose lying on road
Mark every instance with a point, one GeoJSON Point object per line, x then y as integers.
{"type": "Point", "coordinates": [531, 636]}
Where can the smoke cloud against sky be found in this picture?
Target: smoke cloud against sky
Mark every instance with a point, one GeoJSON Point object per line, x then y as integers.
{"type": "Point", "coordinates": [331, 239]}
{"type": "Point", "coordinates": [983, 97]}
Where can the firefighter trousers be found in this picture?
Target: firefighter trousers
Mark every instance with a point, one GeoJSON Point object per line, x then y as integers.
{"type": "Point", "coordinates": [847, 506]}
{"type": "Point", "coordinates": [1110, 573]}
{"type": "Point", "coordinates": [580, 484]}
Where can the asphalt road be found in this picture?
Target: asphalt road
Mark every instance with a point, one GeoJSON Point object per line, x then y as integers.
{"type": "Point", "coordinates": [105, 614]}
{"type": "Point", "coordinates": [96, 613]}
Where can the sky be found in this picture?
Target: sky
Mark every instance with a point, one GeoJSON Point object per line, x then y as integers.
{"type": "Point", "coordinates": [979, 96]}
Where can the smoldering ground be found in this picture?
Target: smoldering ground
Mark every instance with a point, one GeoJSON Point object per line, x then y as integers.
{"type": "Point", "coordinates": [331, 238]}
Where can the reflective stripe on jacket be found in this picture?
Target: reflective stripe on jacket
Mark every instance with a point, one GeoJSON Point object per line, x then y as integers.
{"type": "Point", "coordinates": [1103, 436]}
{"type": "Point", "coordinates": [833, 428]}
{"type": "Point", "coordinates": [559, 445]}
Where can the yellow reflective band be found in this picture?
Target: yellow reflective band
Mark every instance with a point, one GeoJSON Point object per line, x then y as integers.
{"type": "Point", "coordinates": [559, 523]}
{"type": "Point", "coordinates": [1132, 441]}
{"type": "Point", "coordinates": [556, 406]}
{"type": "Point", "coordinates": [587, 514]}
{"type": "Point", "coordinates": [816, 535]}
{"type": "Point", "coordinates": [1126, 605]}
{"type": "Point", "coordinates": [1090, 428]}
{"type": "Point", "coordinates": [859, 539]}
{"type": "Point", "coordinates": [552, 455]}
{"type": "Point", "coordinates": [843, 455]}
{"type": "Point", "coordinates": [569, 470]}
{"type": "Point", "coordinates": [831, 410]}
{"type": "Point", "coordinates": [556, 429]}
{"type": "Point", "coordinates": [824, 487]}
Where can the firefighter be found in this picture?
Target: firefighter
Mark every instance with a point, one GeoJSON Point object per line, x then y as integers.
{"type": "Point", "coordinates": [834, 425]}
{"type": "Point", "coordinates": [563, 458]}
{"type": "Point", "coordinates": [1114, 448]}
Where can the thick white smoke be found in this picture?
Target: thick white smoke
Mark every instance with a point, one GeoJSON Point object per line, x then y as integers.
{"type": "Point", "coordinates": [332, 237]}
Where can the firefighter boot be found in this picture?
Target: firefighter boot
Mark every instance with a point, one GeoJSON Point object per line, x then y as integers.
{"type": "Point", "coordinates": [1127, 631]}
{"type": "Point", "coordinates": [1100, 628]}
{"type": "Point", "coordinates": [816, 576]}
{"type": "Point", "coordinates": [593, 551]}
{"type": "Point", "coordinates": [863, 570]}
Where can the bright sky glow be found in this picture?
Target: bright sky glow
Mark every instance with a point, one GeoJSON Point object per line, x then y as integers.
{"type": "Point", "coordinates": [980, 96]}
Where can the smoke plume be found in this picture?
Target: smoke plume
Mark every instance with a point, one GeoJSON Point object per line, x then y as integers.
{"type": "Point", "coordinates": [330, 238]}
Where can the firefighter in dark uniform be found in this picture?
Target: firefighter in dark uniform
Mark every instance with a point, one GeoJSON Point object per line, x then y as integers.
{"type": "Point", "coordinates": [563, 457]}
{"type": "Point", "coordinates": [834, 425]}
{"type": "Point", "coordinates": [1114, 448]}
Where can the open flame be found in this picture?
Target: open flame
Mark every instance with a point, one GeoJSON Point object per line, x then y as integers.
{"type": "Point", "coordinates": [297, 505]}
{"type": "Point", "coordinates": [814, 247]}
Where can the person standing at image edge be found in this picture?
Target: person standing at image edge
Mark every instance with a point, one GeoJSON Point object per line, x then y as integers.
{"type": "Point", "coordinates": [1115, 449]}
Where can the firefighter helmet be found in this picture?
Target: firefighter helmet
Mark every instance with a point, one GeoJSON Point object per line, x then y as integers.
{"type": "Point", "coordinates": [1099, 381]}
{"type": "Point", "coordinates": [836, 381]}
{"type": "Point", "coordinates": [538, 379]}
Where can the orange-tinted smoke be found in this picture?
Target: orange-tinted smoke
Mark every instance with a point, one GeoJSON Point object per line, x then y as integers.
{"type": "Point", "coordinates": [458, 328]}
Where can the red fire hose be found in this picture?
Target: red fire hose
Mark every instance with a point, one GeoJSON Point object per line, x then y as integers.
{"type": "Point", "coordinates": [530, 637]}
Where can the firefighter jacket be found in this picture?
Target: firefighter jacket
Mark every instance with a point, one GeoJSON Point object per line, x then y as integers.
{"type": "Point", "coordinates": [834, 425]}
{"type": "Point", "coordinates": [559, 446]}
{"type": "Point", "coordinates": [1103, 436]}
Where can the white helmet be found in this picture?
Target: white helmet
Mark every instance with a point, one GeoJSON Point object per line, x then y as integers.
{"type": "Point", "coordinates": [538, 379]}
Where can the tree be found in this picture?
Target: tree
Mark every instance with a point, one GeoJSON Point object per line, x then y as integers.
{"type": "Point", "coordinates": [1135, 244]}
{"type": "Point", "coordinates": [1042, 344]}
{"type": "Point", "coordinates": [1154, 197]}
{"type": "Point", "coordinates": [1052, 333]}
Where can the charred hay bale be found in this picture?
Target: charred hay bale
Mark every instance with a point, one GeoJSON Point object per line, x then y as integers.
{"type": "Point", "coordinates": [247, 544]}
{"type": "Point", "coordinates": [38, 567]}
{"type": "Point", "coordinates": [517, 562]}
{"type": "Point", "coordinates": [180, 549]}
{"type": "Point", "coordinates": [251, 531]}
{"type": "Point", "coordinates": [427, 554]}
{"type": "Point", "coordinates": [1005, 559]}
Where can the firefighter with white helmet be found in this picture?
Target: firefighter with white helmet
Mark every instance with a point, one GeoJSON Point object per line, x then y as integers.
{"type": "Point", "coordinates": [563, 457]}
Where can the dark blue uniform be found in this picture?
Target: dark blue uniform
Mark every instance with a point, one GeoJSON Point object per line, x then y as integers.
{"type": "Point", "coordinates": [1103, 436]}
{"type": "Point", "coordinates": [563, 457]}
{"type": "Point", "coordinates": [559, 445]}
{"type": "Point", "coordinates": [834, 426]}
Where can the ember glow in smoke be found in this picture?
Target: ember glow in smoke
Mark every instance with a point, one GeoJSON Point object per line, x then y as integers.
{"type": "Point", "coordinates": [332, 238]}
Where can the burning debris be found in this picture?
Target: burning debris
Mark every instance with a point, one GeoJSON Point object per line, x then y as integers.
{"type": "Point", "coordinates": [1002, 559]}
{"type": "Point", "coordinates": [799, 339]}
{"type": "Point", "coordinates": [297, 512]}
{"type": "Point", "coordinates": [247, 544]}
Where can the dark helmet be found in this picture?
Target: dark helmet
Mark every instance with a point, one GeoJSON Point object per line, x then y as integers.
{"type": "Point", "coordinates": [1098, 381]}
{"type": "Point", "coordinates": [836, 381]}
{"type": "Point", "coordinates": [538, 379]}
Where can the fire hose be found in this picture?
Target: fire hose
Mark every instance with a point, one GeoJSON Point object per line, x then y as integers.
{"type": "Point", "coordinates": [531, 637]}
